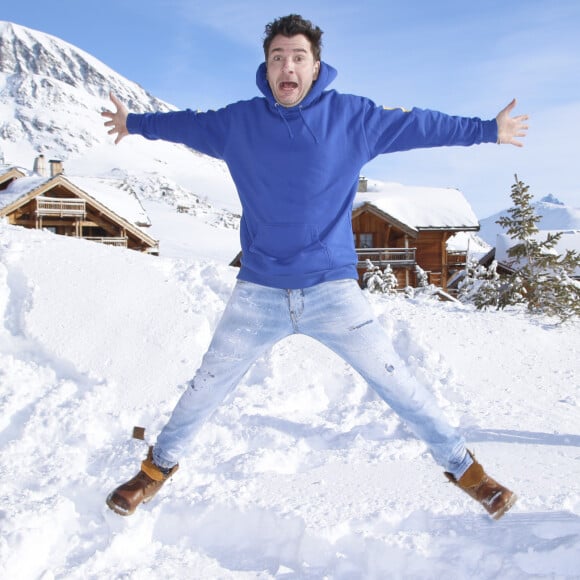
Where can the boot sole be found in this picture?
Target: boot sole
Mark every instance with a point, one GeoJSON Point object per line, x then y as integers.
{"type": "Point", "coordinates": [122, 511]}
{"type": "Point", "coordinates": [508, 504]}
{"type": "Point", "coordinates": [117, 508]}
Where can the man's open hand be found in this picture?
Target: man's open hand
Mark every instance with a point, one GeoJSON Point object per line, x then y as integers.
{"type": "Point", "coordinates": [508, 128]}
{"type": "Point", "coordinates": [117, 120]}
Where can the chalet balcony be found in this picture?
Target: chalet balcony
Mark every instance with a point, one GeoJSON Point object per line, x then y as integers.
{"type": "Point", "coordinates": [456, 259]}
{"type": "Point", "coordinates": [120, 242]}
{"type": "Point", "coordinates": [61, 207]}
{"type": "Point", "coordinates": [382, 256]}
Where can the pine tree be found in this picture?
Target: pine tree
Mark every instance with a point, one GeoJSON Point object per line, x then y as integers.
{"type": "Point", "coordinates": [375, 281]}
{"type": "Point", "coordinates": [480, 285]}
{"type": "Point", "coordinates": [390, 280]}
{"type": "Point", "coordinates": [372, 278]}
{"type": "Point", "coordinates": [422, 277]}
{"type": "Point", "coordinates": [542, 278]}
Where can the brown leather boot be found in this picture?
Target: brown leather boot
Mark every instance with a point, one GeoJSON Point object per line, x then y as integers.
{"type": "Point", "coordinates": [141, 488]}
{"type": "Point", "coordinates": [494, 497]}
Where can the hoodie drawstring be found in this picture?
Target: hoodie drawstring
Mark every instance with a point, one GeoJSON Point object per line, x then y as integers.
{"type": "Point", "coordinates": [308, 126]}
{"type": "Point", "coordinates": [283, 117]}
{"type": "Point", "coordinates": [285, 121]}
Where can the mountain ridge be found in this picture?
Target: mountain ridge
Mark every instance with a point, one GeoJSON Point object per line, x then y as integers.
{"type": "Point", "coordinates": [33, 52]}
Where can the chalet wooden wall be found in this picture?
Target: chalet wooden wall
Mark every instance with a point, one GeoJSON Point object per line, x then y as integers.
{"type": "Point", "coordinates": [384, 234]}
{"type": "Point", "coordinates": [432, 256]}
{"type": "Point", "coordinates": [431, 249]}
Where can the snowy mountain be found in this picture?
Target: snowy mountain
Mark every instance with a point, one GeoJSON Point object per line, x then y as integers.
{"type": "Point", "coordinates": [556, 216]}
{"type": "Point", "coordinates": [42, 74]}
{"type": "Point", "coordinates": [51, 96]}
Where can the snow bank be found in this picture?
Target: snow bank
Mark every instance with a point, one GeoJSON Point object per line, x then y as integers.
{"type": "Point", "coordinates": [303, 472]}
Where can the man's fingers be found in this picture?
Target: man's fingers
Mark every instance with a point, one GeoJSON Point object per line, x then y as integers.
{"type": "Point", "coordinates": [115, 100]}
{"type": "Point", "coordinates": [511, 105]}
{"type": "Point", "coordinates": [116, 119]}
{"type": "Point", "coordinates": [507, 109]}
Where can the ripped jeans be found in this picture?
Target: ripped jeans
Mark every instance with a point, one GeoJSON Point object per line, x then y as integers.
{"type": "Point", "coordinates": [336, 314]}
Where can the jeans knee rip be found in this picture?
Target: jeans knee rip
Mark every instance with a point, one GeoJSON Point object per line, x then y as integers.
{"type": "Point", "coordinates": [356, 327]}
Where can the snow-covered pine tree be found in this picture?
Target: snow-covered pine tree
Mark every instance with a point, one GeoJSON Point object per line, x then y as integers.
{"type": "Point", "coordinates": [375, 281]}
{"type": "Point", "coordinates": [468, 284]}
{"type": "Point", "coordinates": [390, 280]}
{"type": "Point", "coordinates": [372, 278]}
{"type": "Point", "coordinates": [542, 277]}
{"type": "Point", "coordinates": [480, 285]}
{"type": "Point", "coordinates": [422, 277]}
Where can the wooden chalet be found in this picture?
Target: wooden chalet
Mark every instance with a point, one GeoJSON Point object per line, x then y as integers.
{"type": "Point", "coordinates": [406, 227]}
{"type": "Point", "coordinates": [64, 206]}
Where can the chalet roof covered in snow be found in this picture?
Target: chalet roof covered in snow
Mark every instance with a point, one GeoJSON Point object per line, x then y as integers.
{"type": "Point", "coordinates": [420, 207]}
{"type": "Point", "coordinates": [20, 187]}
{"type": "Point", "coordinates": [123, 203]}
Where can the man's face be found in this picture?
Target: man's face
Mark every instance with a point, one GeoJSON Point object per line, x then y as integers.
{"type": "Point", "coordinates": [291, 68]}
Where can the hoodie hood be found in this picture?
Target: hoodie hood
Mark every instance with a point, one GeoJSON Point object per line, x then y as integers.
{"type": "Point", "coordinates": [326, 75]}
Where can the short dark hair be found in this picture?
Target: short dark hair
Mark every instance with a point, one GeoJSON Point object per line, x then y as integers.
{"type": "Point", "coordinates": [292, 25]}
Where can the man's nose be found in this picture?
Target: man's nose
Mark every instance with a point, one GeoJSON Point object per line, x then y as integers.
{"type": "Point", "coordinates": [288, 65]}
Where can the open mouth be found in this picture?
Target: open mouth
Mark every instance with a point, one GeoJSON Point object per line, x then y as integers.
{"type": "Point", "coordinates": [288, 85]}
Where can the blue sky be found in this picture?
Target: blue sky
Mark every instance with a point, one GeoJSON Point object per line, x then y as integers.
{"type": "Point", "coordinates": [464, 58]}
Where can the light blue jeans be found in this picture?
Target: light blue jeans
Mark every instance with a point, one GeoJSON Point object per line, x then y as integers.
{"type": "Point", "coordinates": [338, 315]}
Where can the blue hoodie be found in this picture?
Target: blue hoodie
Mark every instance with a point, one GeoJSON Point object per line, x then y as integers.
{"type": "Point", "coordinates": [296, 169]}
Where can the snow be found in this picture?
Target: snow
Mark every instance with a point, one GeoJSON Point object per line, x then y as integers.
{"type": "Point", "coordinates": [302, 472]}
{"type": "Point", "coordinates": [468, 242]}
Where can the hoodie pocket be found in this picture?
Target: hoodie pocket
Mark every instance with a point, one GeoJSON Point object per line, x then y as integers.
{"type": "Point", "coordinates": [291, 244]}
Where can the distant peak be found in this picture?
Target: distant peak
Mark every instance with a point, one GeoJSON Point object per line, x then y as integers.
{"type": "Point", "coordinates": [551, 199]}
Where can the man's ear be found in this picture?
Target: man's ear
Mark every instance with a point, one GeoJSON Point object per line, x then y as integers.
{"type": "Point", "coordinates": [316, 69]}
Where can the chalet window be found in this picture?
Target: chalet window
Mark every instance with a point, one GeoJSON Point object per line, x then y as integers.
{"type": "Point", "coordinates": [365, 241]}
